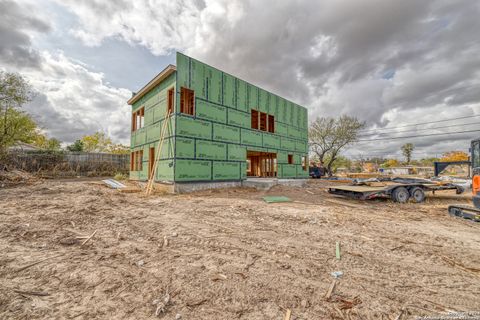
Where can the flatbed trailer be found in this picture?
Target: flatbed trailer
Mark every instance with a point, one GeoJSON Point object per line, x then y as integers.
{"type": "Point", "coordinates": [399, 190]}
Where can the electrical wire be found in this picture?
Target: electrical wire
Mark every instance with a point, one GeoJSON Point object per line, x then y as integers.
{"type": "Point", "coordinates": [419, 136]}
{"type": "Point", "coordinates": [425, 129]}
{"type": "Point", "coordinates": [422, 123]}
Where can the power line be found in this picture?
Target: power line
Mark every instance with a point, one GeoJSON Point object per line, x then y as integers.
{"type": "Point", "coordinates": [419, 136]}
{"type": "Point", "coordinates": [417, 124]}
{"type": "Point", "coordinates": [425, 129]}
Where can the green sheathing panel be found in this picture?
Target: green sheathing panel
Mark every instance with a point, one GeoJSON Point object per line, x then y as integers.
{"type": "Point", "coordinates": [289, 170]}
{"type": "Point", "coordinates": [226, 133]}
{"type": "Point", "coordinates": [239, 118]}
{"type": "Point", "coordinates": [242, 96]}
{"type": "Point", "coordinates": [251, 137]}
{"type": "Point", "coordinates": [213, 78]}
{"type": "Point", "coordinates": [263, 100]}
{"type": "Point", "coordinates": [210, 111]}
{"type": "Point", "coordinates": [237, 152]}
{"type": "Point", "coordinates": [184, 148]}
{"type": "Point", "coordinates": [212, 144]}
{"type": "Point", "coordinates": [165, 170]}
{"type": "Point", "coordinates": [226, 170]}
{"type": "Point", "coordinates": [229, 89]}
{"type": "Point", "coordinates": [211, 150]}
{"type": "Point", "coordinates": [190, 127]}
{"type": "Point", "coordinates": [193, 170]}
{"type": "Point", "coordinates": [271, 141]}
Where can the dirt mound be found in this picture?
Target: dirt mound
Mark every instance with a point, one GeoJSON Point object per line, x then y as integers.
{"type": "Point", "coordinates": [11, 178]}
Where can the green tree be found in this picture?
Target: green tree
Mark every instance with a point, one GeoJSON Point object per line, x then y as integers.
{"type": "Point", "coordinates": [119, 148]}
{"type": "Point", "coordinates": [328, 136]}
{"type": "Point", "coordinates": [77, 146]}
{"type": "Point", "coordinates": [341, 162]}
{"type": "Point", "coordinates": [97, 142]}
{"type": "Point", "coordinates": [407, 150]}
{"type": "Point", "coordinates": [15, 125]}
{"type": "Point", "coordinates": [41, 140]}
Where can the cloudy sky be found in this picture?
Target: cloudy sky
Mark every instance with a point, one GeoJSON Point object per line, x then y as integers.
{"type": "Point", "coordinates": [389, 63]}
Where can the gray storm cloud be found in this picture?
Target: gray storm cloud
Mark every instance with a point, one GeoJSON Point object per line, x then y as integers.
{"type": "Point", "coordinates": [387, 62]}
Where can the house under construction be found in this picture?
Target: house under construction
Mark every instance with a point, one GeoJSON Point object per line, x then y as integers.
{"type": "Point", "coordinates": [219, 129]}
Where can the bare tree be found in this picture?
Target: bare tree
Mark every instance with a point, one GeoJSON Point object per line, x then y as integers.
{"type": "Point", "coordinates": [328, 136]}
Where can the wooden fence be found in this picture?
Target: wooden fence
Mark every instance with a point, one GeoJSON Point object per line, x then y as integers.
{"type": "Point", "coordinates": [60, 164]}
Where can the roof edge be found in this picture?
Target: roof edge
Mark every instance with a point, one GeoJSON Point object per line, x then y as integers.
{"type": "Point", "coordinates": [152, 83]}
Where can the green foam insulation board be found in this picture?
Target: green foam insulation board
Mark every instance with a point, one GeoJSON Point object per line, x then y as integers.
{"type": "Point", "coordinates": [274, 199]}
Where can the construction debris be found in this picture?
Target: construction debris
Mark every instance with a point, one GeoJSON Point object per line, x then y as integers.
{"type": "Point", "coordinates": [114, 184]}
{"type": "Point", "coordinates": [337, 250]}
{"type": "Point", "coordinates": [274, 199]}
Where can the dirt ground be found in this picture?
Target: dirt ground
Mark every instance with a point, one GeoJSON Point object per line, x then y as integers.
{"type": "Point", "coordinates": [229, 255]}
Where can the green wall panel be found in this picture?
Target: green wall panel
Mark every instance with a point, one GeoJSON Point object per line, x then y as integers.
{"type": "Point", "coordinates": [243, 170]}
{"type": "Point", "coordinates": [238, 118]}
{"type": "Point", "coordinates": [210, 111]}
{"type": "Point", "coordinates": [211, 150]}
{"type": "Point", "coordinates": [289, 170]}
{"type": "Point", "coordinates": [226, 170]}
{"type": "Point", "coordinates": [193, 170]}
{"type": "Point", "coordinates": [242, 96]}
{"type": "Point", "coordinates": [283, 111]}
{"type": "Point", "coordinates": [226, 133]}
{"type": "Point", "coordinates": [263, 100]}
{"type": "Point", "coordinates": [237, 152]}
{"type": "Point", "coordinates": [184, 148]}
{"type": "Point", "coordinates": [197, 73]}
{"type": "Point", "coordinates": [182, 70]}
{"type": "Point", "coordinates": [148, 117]}
{"type": "Point", "coordinates": [288, 144]}
{"type": "Point", "coordinates": [282, 157]}
{"type": "Point", "coordinates": [252, 100]}
{"type": "Point", "coordinates": [271, 141]}
{"type": "Point", "coordinates": [214, 84]}
{"type": "Point", "coordinates": [294, 133]}
{"type": "Point", "coordinates": [301, 172]}
{"type": "Point", "coordinates": [301, 146]}
{"type": "Point", "coordinates": [229, 91]}
{"type": "Point", "coordinates": [165, 170]}
{"type": "Point", "coordinates": [281, 129]}
{"type": "Point", "coordinates": [187, 126]}
{"type": "Point", "coordinates": [251, 137]}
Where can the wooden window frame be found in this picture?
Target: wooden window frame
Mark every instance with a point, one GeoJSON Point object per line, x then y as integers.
{"type": "Point", "coordinates": [254, 119]}
{"type": "Point", "coordinates": [263, 121]}
{"type": "Point", "coordinates": [271, 123]}
{"type": "Point", "coordinates": [170, 100]}
{"type": "Point", "coordinates": [290, 159]}
{"type": "Point", "coordinates": [187, 101]}
{"type": "Point", "coordinates": [138, 119]}
{"type": "Point", "coordinates": [304, 163]}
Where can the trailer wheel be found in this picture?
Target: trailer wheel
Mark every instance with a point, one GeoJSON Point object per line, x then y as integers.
{"type": "Point", "coordinates": [417, 194]}
{"type": "Point", "coordinates": [400, 194]}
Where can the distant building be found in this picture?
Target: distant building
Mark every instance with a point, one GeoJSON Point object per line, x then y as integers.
{"type": "Point", "coordinates": [22, 146]}
{"type": "Point", "coordinates": [408, 170]}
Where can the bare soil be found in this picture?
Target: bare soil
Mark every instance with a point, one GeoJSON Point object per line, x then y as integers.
{"type": "Point", "coordinates": [226, 254]}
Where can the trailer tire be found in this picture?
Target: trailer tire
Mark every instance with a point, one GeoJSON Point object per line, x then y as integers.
{"type": "Point", "coordinates": [417, 194]}
{"type": "Point", "coordinates": [400, 195]}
